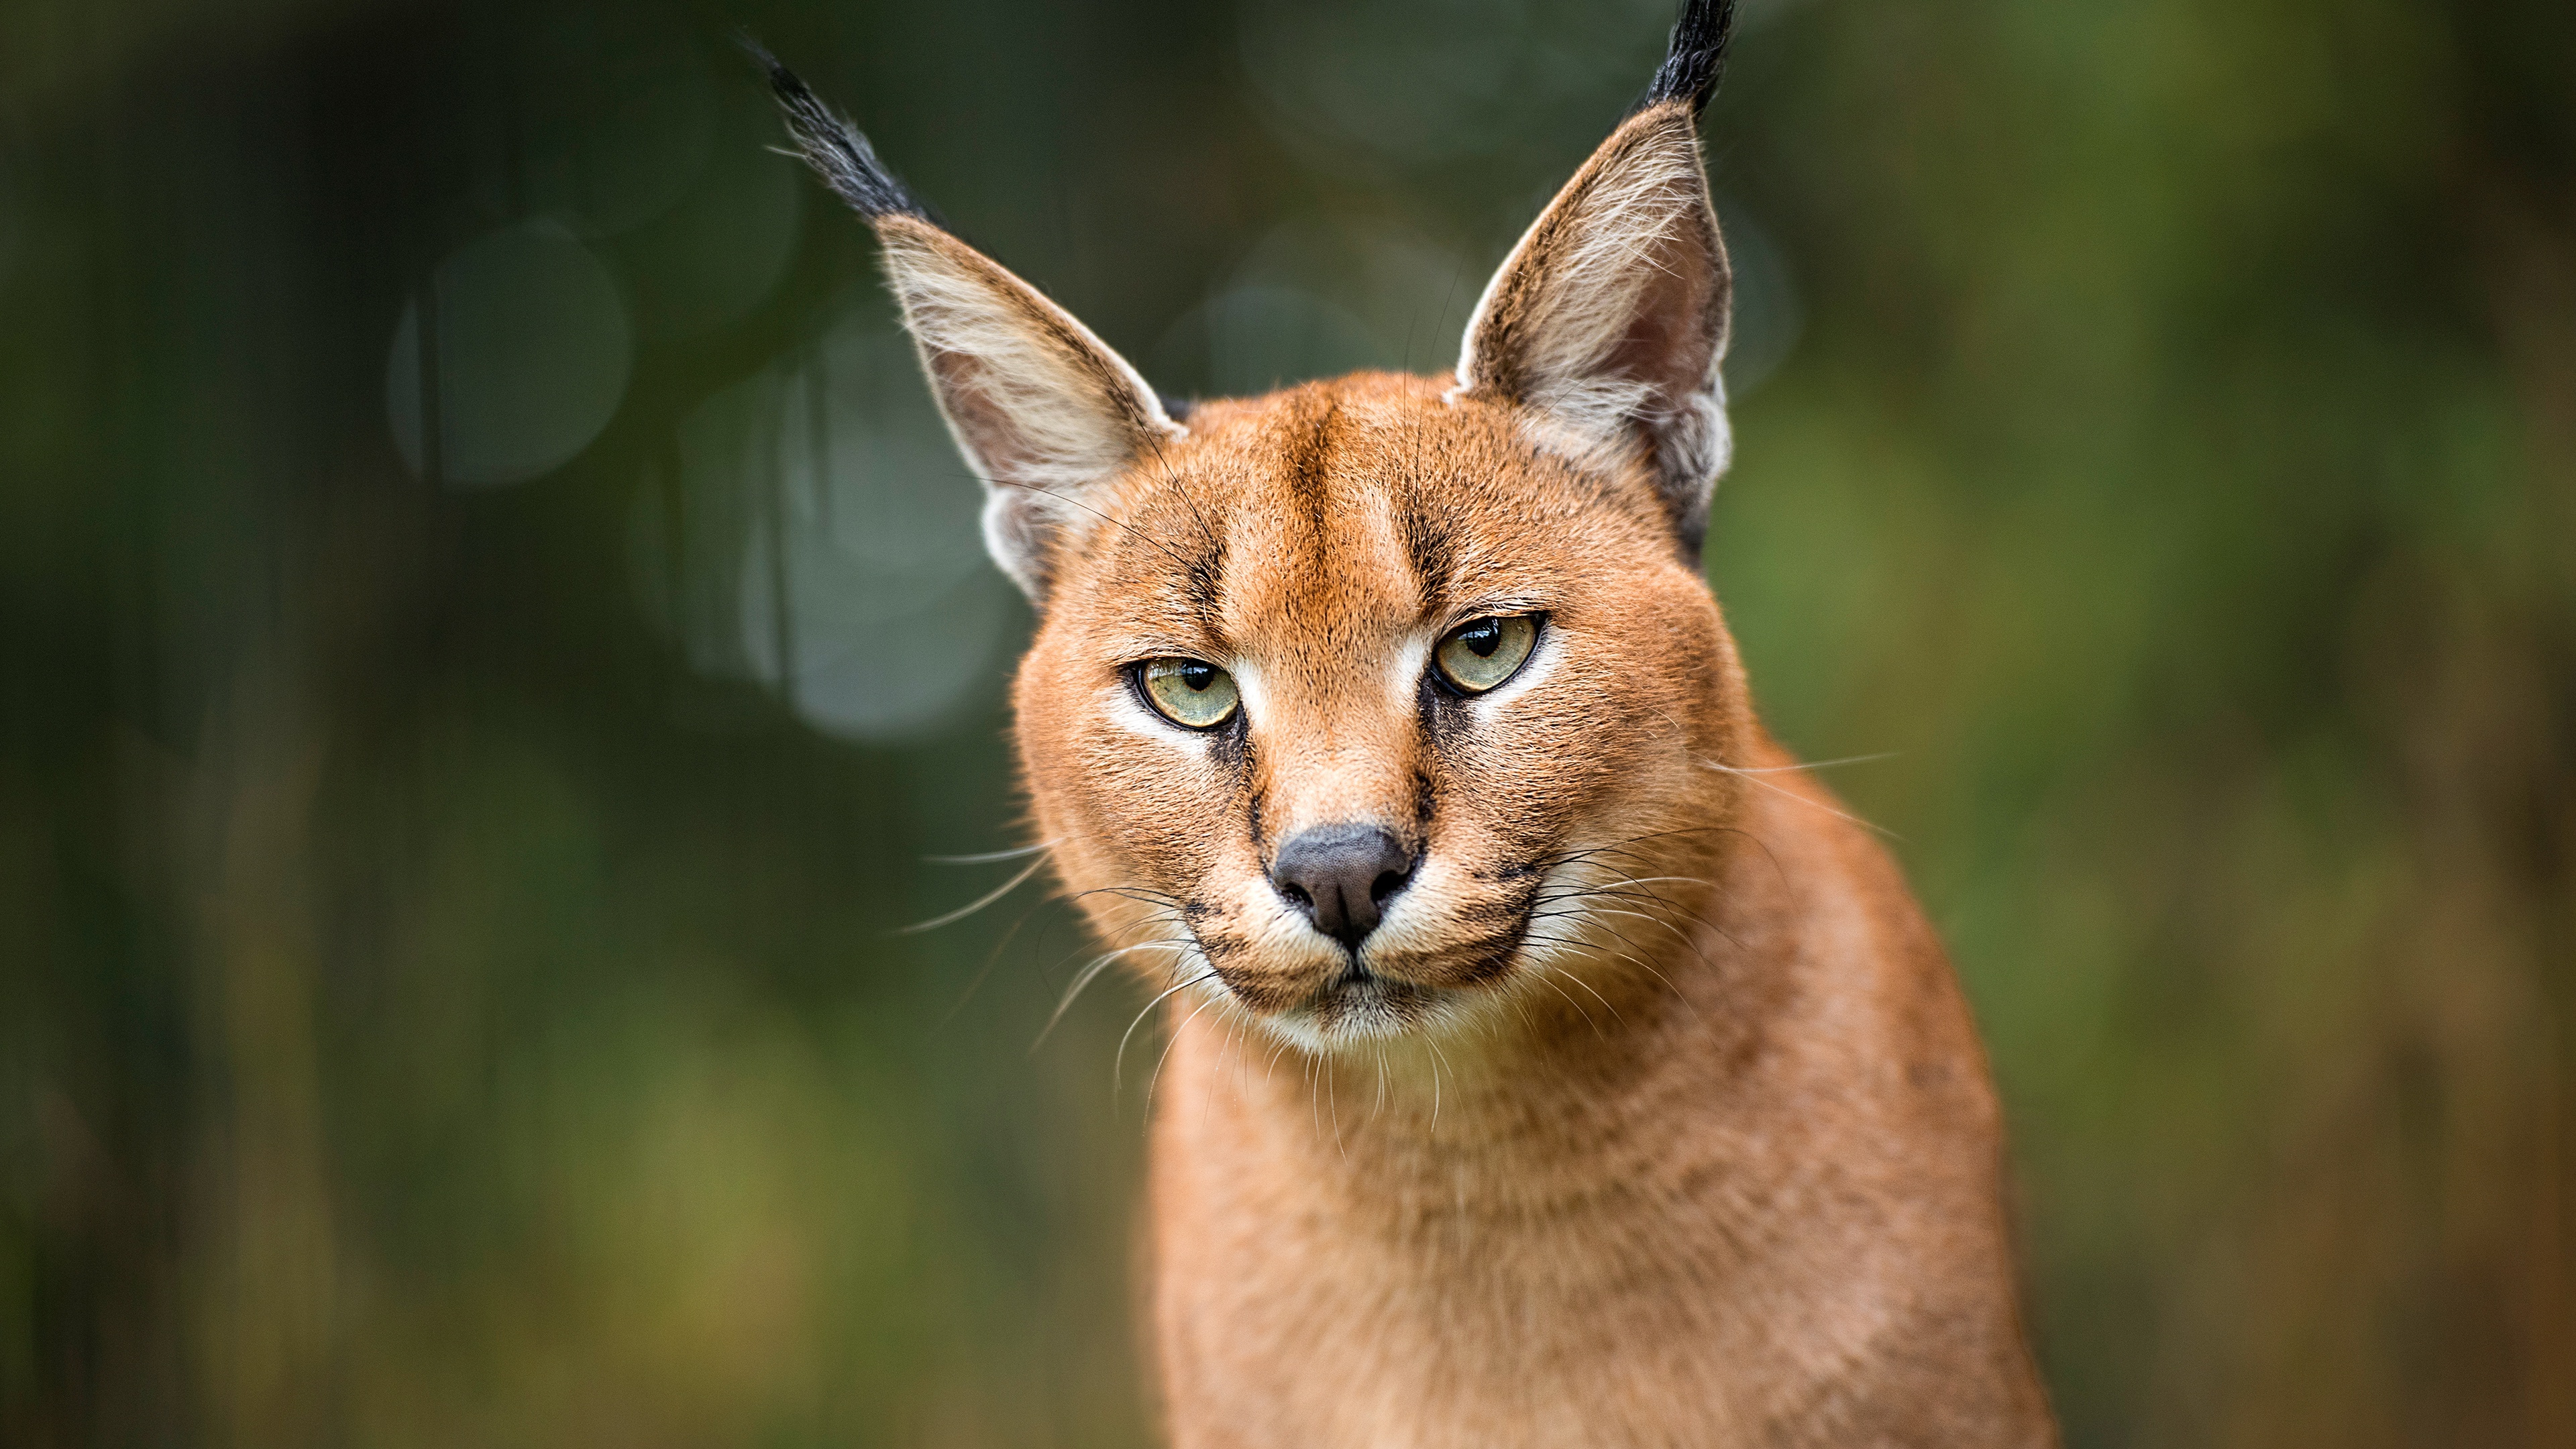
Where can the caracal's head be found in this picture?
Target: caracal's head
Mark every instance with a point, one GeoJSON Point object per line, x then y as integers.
{"type": "Point", "coordinates": [1373, 705]}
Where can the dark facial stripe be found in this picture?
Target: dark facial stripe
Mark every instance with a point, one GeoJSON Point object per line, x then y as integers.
{"type": "Point", "coordinates": [1303, 456]}
{"type": "Point", "coordinates": [1204, 580]}
{"type": "Point", "coordinates": [1430, 545]}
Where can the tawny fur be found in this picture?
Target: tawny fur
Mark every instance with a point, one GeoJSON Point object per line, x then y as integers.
{"type": "Point", "coordinates": [1717, 1164]}
{"type": "Point", "coordinates": [1650, 1113]}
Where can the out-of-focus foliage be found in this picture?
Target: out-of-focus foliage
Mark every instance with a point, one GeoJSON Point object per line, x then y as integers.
{"type": "Point", "coordinates": [493, 632]}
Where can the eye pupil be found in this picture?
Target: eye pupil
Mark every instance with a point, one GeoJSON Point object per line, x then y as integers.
{"type": "Point", "coordinates": [1481, 653]}
{"type": "Point", "coordinates": [1191, 693]}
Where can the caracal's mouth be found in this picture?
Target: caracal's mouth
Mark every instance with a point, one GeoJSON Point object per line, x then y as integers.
{"type": "Point", "coordinates": [1361, 1003]}
{"type": "Point", "coordinates": [1398, 984]}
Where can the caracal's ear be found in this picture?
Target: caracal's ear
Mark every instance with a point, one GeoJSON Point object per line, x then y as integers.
{"type": "Point", "coordinates": [1043, 410]}
{"type": "Point", "coordinates": [1607, 321]}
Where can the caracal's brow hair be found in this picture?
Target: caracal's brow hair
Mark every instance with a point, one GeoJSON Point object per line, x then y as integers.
{"type": "Point", "coordinates": [1550, 1060]}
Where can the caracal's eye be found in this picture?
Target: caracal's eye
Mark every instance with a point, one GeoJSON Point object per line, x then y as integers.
{"type": "Point", "coordinates": [1189, 692]}
{"type": "Point", "coordinates": [1481, 653]}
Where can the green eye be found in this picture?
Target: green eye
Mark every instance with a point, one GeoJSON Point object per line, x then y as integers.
{"type": "Point", "coordinates": [1190, 693]}
{"type": "Point", "coordinates": [1481, 653]}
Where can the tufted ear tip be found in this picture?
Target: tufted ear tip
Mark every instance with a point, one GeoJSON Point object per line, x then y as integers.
{"type": "Point", "coordinates": [1694, 56]}
{"type": "Point", "coordinates": [838, 151]}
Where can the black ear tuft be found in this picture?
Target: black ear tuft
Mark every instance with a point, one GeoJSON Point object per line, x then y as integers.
{"type": "Point", "coordinates": [1695, 57]}
{"type": "Point", "coordinates": [836, 150]}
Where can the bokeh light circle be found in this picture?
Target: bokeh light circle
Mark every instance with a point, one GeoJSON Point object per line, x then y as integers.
{"type": "Point", "coordinates": [523, 362]}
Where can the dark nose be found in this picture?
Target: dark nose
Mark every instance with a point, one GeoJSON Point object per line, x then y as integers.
{"type": "Point", "coordinates": [1341, 876]}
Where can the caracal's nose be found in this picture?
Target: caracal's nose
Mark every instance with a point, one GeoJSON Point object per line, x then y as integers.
{"type": "Point", "coordinates": [1342, 876]}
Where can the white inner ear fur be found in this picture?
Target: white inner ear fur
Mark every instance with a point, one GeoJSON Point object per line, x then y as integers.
{"type": "Point", "coordinates": [1043, 410]}
{"type": "Point", "coordinates": [1608, 317]}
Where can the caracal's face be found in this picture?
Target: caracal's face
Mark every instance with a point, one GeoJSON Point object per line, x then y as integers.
{"type": "Point", "coordinates": [1372, 706]}
{"type": "Point", "coordinates": [1357, 607]}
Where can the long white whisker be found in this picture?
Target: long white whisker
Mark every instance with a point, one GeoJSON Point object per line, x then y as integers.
{"type": "Point", "coordinates": [962, 912]}
{"type": "Point", "coordinates": [1120, 1060]}
{"type": "Point", "coordinates": [1813, 764]}
{"type": "Point", "coordinates": [990, 856]}
{"type": "Point", "coordinates": [1597, 996]}
{"type": "Point", "coordinates": [1314, 1093]}
{"type": "Point", "coordinates": [1639, 915]}
{"type": "Point", "coordinates": [1332, 1100]}
{"type": "Point", "coordinates": [1091, 972]}
{"type": "Point", "coordinates": [1156, 1080]}
{"type": "Point", "coordinates": [1547, 975]}
{"type": "Point", "coordinates": [1757, 779]}
{"type": "Point", "coordinates": [1439, 1059]}
{"type": "Point", "coordinates": [1629, 957]}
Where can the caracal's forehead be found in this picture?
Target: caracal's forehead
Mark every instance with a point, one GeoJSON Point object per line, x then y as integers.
{"type": "Point", "coordinates": [1315, 525]}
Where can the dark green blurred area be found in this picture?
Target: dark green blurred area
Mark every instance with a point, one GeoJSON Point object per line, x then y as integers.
{"type": "Point", "coordinates": [493, 632]}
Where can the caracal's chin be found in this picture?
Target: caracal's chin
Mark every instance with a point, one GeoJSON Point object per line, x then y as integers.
{"type": "Point", "coordinates": [1358, 1008]}
{"type": "Point", "coordinates": [1350, 1006]}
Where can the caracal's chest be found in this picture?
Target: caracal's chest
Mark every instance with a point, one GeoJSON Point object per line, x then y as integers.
{"type": "Point", "coordinates": [1616, 1312]}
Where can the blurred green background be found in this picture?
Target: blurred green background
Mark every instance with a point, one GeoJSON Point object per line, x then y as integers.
{"type": "Point", "coordinates": [493, 632]}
